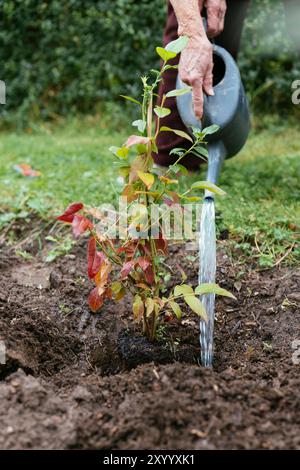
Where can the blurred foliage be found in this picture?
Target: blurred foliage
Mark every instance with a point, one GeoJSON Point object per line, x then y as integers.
{"type": "Point", "coordinates": [62, 56]}
{"type": "Point", "coordinates": [268, 60]}
{"type": "Point", "coordinates": [59, 57]}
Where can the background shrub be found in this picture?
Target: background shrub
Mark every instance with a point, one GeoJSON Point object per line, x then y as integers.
{"type": "Point", "coordinates": [65, 56]}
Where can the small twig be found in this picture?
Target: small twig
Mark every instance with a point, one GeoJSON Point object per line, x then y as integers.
{"type": "Point", "coordinates": [285, 255]}
{"type": "Point", "coordinates": [279, 261]}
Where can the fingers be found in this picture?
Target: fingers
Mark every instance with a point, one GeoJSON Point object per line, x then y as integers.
{"type": "Point", "coordinates": [197, 85]}
{"type": "Point", "coordinates": [195, 69]}
{"type": "Point", "coordinates": [208, 82]}
{"type": "Point", "coordinates": [198, 98]}
{"type": "Point", "coordinates": [184, 76]}
{"type": "Point", "coordinates": [216, 10]}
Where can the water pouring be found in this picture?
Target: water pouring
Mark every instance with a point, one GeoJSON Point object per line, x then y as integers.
{"type": "Point", "coordinates": [228, 109]}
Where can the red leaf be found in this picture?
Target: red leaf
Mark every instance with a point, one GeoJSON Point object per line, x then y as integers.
{"type": "Point", "coordinates": [146, 248]}
{"type": "Point", "coordinates": [95, 259]}
{"type": "Point", "coordinates": [127, 267]}
{"type": "Point", "coordinates": [149, 276]}
{"type": "Point", "coordinates": [95, 300]}
{"type": "Point", "coordinates": [69, 214]}
{"type": "Point", "coordinates": [129, 249]}
{"type": "Point", "coordinates": [161, 245]}
{"type": "Point", "coordinates": [136, 139]}
{"type": "Point", "coordinates": [81, 224]}
{"type": "Point", "coordinates": [143, 262]}
{"type": "Point", "coordinates": [102, 276]}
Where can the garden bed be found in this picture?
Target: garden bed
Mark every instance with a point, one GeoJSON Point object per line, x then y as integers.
{"type": "Point", "coordinates": [67, 384]}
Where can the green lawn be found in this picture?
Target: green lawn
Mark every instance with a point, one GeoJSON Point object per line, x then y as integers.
{"type": "Point", "coordinates": [262, 206]}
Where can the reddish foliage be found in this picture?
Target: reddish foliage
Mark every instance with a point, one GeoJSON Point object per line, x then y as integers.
{"type": "Point", "coordinates": [130, 248]}
{"type": "Point", "coordinates": [149, 275]}
{"type": "Point", "coordinates": [95, 259]}
{"type": "Point", "coordinates": [95, 300]}
{"type": "Point", "coordinates": [126, 268]}
{"type": "Point", "coordinates": [161, 245]}
{"type": "Point", "coordinates": [143, 262]}
{"type": "Point", "coordinates": [81, 224]}
{"type": "Point", "coordinates": [136, 139]}
{"type": "Point", "coordinates": [70, 212]}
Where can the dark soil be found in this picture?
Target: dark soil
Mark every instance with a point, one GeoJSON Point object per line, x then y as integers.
{"type": "Point", "coordinates": [71, 378]}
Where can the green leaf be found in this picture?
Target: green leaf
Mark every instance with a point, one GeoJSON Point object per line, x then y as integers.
{"type": "Point", "coordinates": [183, 289]}
{"type": "Point", "coordinates": [150, 304]}
{"type": "Point", "coordinates": [202, 151]}
{"type": "Point", "coordinates": [179, 92]}
{"type": "Point", "coordinates": [191, 198]}
{"type": "Point", "coordinates": [168, 67]}
{"type": "Point", "coordinates": [196, 305]}
{"type": "Point", "coordinates": [176, 168]}
{"type": "Point", "coordinates": [164, 54]}
{"type": "Point", "coordinates": [197, 132]}
{"type": "Point", "coordinates": [138, 307]}
{"type": "Point", "coordinates": [210, 130]}
{"type": "Point", "coordinates": [124, 171]}
{"type": "Point", "coordinates": [140, 124]}
{"type": "Point", "coordinates": [176, 309]}
{"type": "Point", "coordinates": [178, 45]}
{"type": "Point", "coordinates": [116, 287]}
{"type": "Point", "coordinates": [146, 178]}
{"type": "Point", "coordinates": [133, 100]}
{"type": "Point", "coordinates": [141, 148]}
{"type": "Point", "coordinates": [162, 112]}
{"type": "Point", "coordinates": [154, 147]}
{"type": "Point", "coordinates": [177, 132]}
{"type": "Point", "coordinates": [177, 151]}
{"type": "Point", "coordinates": [209, 186]}
{"type": "Point", "coordinates": [211, 288]}
{"type": "Point", "coordinates": [120, 152]}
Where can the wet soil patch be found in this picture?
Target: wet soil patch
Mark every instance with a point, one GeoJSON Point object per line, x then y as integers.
{"type": "Point", "coordinates": [179, 344]}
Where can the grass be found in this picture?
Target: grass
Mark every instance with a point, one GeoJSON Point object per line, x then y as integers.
{"type": "Point", "coordinates": [261, 211]}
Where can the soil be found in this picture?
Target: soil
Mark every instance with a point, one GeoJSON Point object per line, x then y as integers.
{"type": "Point", "coordinates": [72, 379]}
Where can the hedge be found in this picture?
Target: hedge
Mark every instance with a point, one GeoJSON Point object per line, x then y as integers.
{"type": "Point", "coordinates": [65, 56]}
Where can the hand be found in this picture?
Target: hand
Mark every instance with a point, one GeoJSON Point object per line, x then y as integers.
{"type": "Point", "coordinates": [195, 69]}
{"type": "Point", "coordinates": [216, 10]}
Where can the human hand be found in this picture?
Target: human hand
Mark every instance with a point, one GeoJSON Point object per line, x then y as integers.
{"type": "Point", "coordinates": [195, 69]}
{"type": "Point", "coordinates": [216, 10]}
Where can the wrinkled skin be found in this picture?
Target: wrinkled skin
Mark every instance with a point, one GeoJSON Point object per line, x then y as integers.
{"type": "Point", "coordinates": [196, 62]}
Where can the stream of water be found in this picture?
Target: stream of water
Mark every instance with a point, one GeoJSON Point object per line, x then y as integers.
{"type": "Point", "coordinates": [207, 274]}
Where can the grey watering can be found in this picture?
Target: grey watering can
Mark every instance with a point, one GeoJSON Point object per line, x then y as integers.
{"type": "Point", "coordinates": [228, 108]}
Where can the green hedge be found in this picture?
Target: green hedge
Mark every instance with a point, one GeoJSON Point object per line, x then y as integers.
{"type": "Point", "coordinates": [64, 56]}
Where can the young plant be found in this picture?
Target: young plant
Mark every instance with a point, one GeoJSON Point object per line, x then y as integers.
{"type": "Point", "coordinates": [133, 260]}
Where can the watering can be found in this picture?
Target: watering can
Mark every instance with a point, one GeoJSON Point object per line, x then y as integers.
{"type": "Point", "coordinates": [228, 108]}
